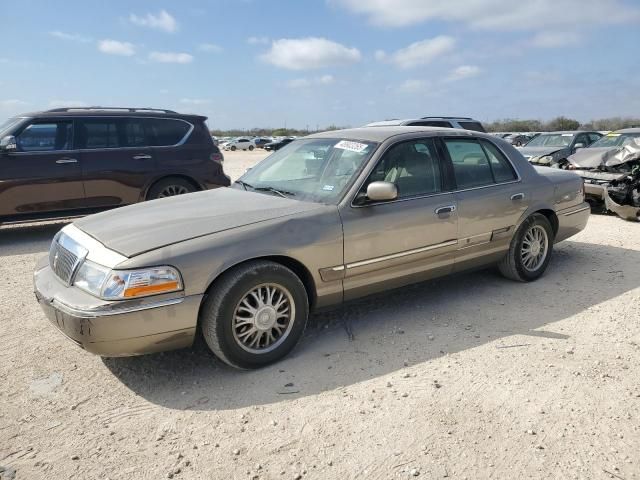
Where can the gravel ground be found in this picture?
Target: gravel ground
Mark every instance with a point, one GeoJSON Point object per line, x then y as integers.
{"type": "Point", "coordinates": [471, 376]}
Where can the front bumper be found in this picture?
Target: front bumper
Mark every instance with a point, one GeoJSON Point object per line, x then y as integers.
{"type": "Point", "coordinates": [114, 329]}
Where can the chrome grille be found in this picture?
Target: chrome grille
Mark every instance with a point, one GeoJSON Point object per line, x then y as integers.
{"type": "Point", "coordinates": [65, 256]}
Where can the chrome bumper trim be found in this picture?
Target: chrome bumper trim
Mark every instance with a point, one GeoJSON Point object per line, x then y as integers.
{"type": "Point", "coordinates": [576, 211]}
{"type": "Point", "coordinates": [80, 313]}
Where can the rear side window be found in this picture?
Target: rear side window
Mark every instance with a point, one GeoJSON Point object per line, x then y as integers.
{"type": "Point", "coordinates": [475, 166]}
{"type": "Point", "coordinates": [500, 166]}
{"type": "Point", "coordinates": [475, 126]}
{"type": "Point", "coordinates": [167, 132]}
{"type": "Point", "coordinates": [98, 133]}
{"type": "Point", "coordinates": [46, 137]}
{"type": "Point", "coordinates": [134, 134]}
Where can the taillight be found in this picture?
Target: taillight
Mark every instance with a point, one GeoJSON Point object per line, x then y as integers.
{"type": "Point", "coordinates": [217, 157]}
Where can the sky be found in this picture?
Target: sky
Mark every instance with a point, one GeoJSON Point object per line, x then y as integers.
{"type": "Point", "coordinates": [314, 63]}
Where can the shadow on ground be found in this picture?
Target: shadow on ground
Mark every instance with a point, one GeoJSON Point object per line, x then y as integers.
{"type": "Point", "coordinates": [27, 239]}
{"type": "Point", "coordinates": [414, 324]}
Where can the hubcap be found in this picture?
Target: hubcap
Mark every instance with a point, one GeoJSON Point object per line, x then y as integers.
{"type": "Point", "coordinates": [534, 248]}
{"type": "Point", "coordinates": [173, 190]}
{"type": "Point", "coordinates": [263, 318]}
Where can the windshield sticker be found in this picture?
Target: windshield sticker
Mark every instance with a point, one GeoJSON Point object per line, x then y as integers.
{"type": "Point", "coordinates": [567, 134]}
{"type": "Point", "coordinates": [351, 146]}
{"type": "Point", "coordinates": [613, 134]}
{"type": "Point", "coordinates": [328, 188]}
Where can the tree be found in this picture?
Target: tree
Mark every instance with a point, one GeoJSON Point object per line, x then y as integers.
{"type": "Point", "coordinates": [562, 123]}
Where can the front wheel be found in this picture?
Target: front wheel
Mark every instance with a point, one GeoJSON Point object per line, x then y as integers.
{"type": "Point", "coordinates": [250, 148]}
{"type": "Point", "coordinates": [170, 187]}
{"type": "Point", "coordinates": [254, 314]}
{"type": "Point", "coordinates": [530, 250]}
{"type": "Point", "coordinates": [233, 148]}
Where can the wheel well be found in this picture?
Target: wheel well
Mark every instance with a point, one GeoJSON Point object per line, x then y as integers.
{"type": "Point", "coordinates": [295, 266]}
{"type": "Point", "coordinates": [195, 184]}
{"type": "Point", "coordinates": [553, 219]}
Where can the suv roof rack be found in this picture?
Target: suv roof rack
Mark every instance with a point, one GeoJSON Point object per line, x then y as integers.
{"type": "Point", "coordinates": [449, 118]}
{"type": "Point", "coordinates": [108, 109]}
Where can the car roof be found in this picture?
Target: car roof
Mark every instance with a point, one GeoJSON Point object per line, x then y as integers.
{"type": "Point", "coordinates": [628, 130]}
{"type": "Point", "coordinates": [573, 132]}
{"type": "Point", "coordinates": [380, 134]}
{"type": "Point", "coordinates": [110, 112]}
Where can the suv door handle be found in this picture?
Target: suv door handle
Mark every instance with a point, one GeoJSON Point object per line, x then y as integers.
{"type": "Point", "coordinates": [66, 160]}
{"type": "Point", "coordinates": [143, 156]}
{"type": "Point", "coordinates": [447, 209]}
{"type": "Point", "coordinates": [517, 196]}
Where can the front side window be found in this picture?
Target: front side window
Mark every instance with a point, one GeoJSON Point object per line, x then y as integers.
{"type": "Point", "coordinates": [134, 134]}
{"type": "Point", "coordinates": [470, 164]}
{"type": "Point", "coordinates": [413, 166]}
{"type": "Point", "coordinates": [313, 169]}
{"type": "Point", "coordinates": [46, 137]}
{"type": "Point", "coordinates": [593, 137]}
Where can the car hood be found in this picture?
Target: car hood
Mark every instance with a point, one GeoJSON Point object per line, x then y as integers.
{"type": "Point", "coordinates": [150, 225]}
{"type": "Point", "coordinates": [607, 157]}
{"type": "Point", "coordinates": [529, 152]}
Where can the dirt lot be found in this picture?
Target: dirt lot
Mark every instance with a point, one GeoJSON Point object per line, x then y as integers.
{"type": "Point", "coordinates": [471, 376]}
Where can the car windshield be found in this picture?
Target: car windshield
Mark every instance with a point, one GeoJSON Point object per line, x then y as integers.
{"type": "Point", "coordinates": [6, 127]}
{"type": "Point", "coordinates": [612, 140]}
{"type": "Point", "coordinates": [313, 169]}
{"type": "Point", "coordinates": [552, 140]}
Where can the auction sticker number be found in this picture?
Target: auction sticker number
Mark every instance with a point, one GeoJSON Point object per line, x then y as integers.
{"type": "Point", "coordinates": [351, 146]}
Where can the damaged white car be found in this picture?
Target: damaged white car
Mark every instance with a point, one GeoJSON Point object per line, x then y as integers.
{"type": "Point", "coordinates": [611, 172]}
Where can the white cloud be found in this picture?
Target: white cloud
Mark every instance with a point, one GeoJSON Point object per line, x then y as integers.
{"type": "Point", "coordinates": [162, 21]}
{"type": "Point", "coordinates": [309, 82]}
{"type": "Point", "coordinates": [210, 48]}
{"type": "Point", "coordinates": [114, 47]}
{"type": "Point", "coordinates": [67, 103]}
{"type": "Point", "coordinates": [419, 53]}
{"type": "Point", "coordinates": [555, 39]}
{"type": "Point", "coordinates": [494, 14]}
{"type": "Point", "coordinates": [258, 40]}
{"type": "Point", "coordinates": [195, 101]}
{"type": "Point", "coordinates": [413, 86]}
{"type": "Point", "coordinates": [464, 71]}
{"type": "Point", "coordinates": [170, 57]}
{"type": "Point", "coordinates": [309, 53]}
{"type": "Point", "coordinates": [74, 37]}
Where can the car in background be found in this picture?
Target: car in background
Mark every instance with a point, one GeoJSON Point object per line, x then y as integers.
{"type": "Point", "coordinates": [277, 145]}
{"type": "Point", "coordinates": [610, 168]}
{"type": "Point", "coordinates": [376, 209]}
{"type": "Point", "coordinates": [215, 140]}
{"type": "Point", "coordinates": [464, 123]}
{"type": "Point", "coordinates": [260, 142]}
{"type": "Point", "coordinates": [240, 143]}
{"type": "Point", "coordinates": [551, 149]}
{"type": "Point", "coordinates": [74, 161]}
{"type": "Point", "coordinates": [519, 139]}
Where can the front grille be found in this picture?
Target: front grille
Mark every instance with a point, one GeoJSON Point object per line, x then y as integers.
{"type": "Point", "coordinates": [62, 260]}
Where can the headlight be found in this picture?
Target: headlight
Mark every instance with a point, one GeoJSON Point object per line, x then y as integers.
{"type": "Point", "coordinates": [546, 159]}
{"type": "Point", "coordinates": [124, 284]}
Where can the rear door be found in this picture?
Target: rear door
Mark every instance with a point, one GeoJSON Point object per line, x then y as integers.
{"type": "Point", "coordinates": [389, 244]}
{"type": "Point", "coordinates": [490, 198]}
{"type": "Point", "coordinates": [116, 159]}
{"type": "Point", "coordinates": [43, 174]}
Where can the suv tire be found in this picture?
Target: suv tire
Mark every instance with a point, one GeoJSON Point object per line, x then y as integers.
{"type": "Point", "coordinates": [169, 187]}
{"type": "Point", "coordinates": [262, 297]}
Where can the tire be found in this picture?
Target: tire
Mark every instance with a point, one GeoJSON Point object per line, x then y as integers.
{"type": "Point", "coordinates": [230, 298]}
{"type": "Point", "coordinates": [232, 148]}
{"type": "Point", "coordinates": [514, 264]}
{"type": "Point", "coordinates": [251, 148]}
{"type": "Point", "coordinates": [169, 187]}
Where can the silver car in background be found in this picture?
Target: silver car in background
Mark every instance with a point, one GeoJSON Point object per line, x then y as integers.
{"type": "Point", "coordinates": [330, 217]}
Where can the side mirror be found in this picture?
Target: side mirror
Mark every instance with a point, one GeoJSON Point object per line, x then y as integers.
{"type": "Point", "coordinates": [382, 191]}
{"type": "Point", "coordinates": [578, 145]}
{"type": "Point", "coordinates": [8, 144]}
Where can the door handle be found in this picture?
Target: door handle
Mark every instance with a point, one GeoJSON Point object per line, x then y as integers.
{"type": "Point", "coordinates": [66, 160]}
{"type": "Point", "coordinates": [517, 196]}
{"type": "Point", "coordinates": [447, 209]}
{"type": "Point", "coordinates": [142, 157]}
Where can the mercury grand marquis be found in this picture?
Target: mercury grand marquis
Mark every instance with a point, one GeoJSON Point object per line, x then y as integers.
{"type": "Point", "coordinates": [329, 218]}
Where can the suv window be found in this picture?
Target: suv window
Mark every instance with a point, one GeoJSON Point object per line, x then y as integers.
{"type": "Point", "coordinates": [413, 166]}
{"type": "Point", "coordinates": [98, 133]}
{"type": "Point", "coordinates": [431, 123]}
{"type": "Point", "coordinates": [470, 164]}
{"type": "Point", "coordinates": [166, 132]}
{"type": "Point", "coordinates": [46, 137]}
{"type": "Point", "coordinates": [475, 126]}
{"type": "Point", "coordinates": [134, 134]}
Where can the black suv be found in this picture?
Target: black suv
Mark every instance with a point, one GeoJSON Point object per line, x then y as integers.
{"type": "Point", "coordinates": [75, 161]}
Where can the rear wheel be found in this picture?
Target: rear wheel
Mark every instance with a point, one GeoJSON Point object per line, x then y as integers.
{"type": "Point", "coordinates": [170, 187]}
{"type": "Point", "coordinates": [233, 148]}
{"type": "Point", "coordinates": [530, 250]}
{"type": "Point", "coordinates": [250, 147]}
{"type": "Point", "coordinates": [255, 314]}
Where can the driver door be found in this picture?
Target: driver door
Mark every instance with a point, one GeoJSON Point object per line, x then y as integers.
{"type": "Point", "coordinates": [410, 239]}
